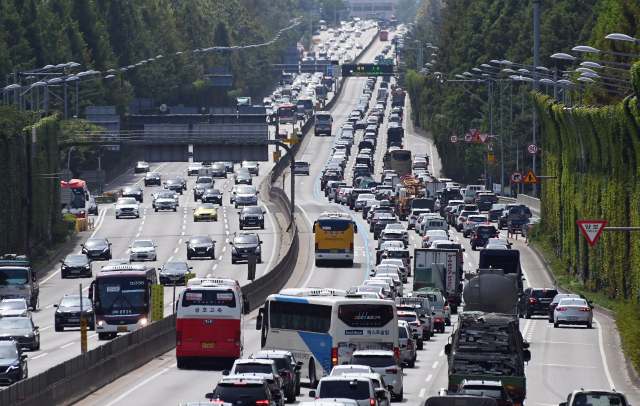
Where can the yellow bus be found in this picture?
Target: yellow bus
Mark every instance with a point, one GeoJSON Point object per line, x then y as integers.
{"type": "Point", "coordinates": [334, 238]}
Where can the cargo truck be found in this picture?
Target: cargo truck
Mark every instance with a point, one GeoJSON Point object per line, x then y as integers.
{"type": "Point", "coordinates": [395, 133]}
{"type": "Point", "coordinates": [18, 279]}
{"type": "Point", "coordinates": [397, 97]}
{"type": "Point", "coordinates": [439, 268]}
{"type": "Point", "coordinates": [506, 260]}
{"type": "Point", "coordinates": [518, 217]}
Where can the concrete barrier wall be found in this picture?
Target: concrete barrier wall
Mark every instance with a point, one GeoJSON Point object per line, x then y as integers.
{"type": "Point", "coordinates": [531, 202]}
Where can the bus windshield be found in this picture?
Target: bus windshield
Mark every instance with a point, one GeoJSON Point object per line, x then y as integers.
{"type": "Point", "coordinates": [13, 276]}
{"type": "Point", "coordinates": [334, 225]}
{"type": "Point", "coordinates": [118, 296]}
{"type": "Point", "coordinates": [323, 117]}
{"type": "Point", "coordinates": [209, 298]}
{"type": "Point", "coordinates": [401, 155]}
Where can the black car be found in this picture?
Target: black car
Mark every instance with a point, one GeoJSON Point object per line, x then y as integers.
{"type": "Point", "coordinates": [243, 179]}
{"type": "Point", "coordinates": [97, 248]}
{"type": "Point", "coordinates": [152, 178]}
{"type": "Point", "coordinates": [288, 368]}
{"type": "Point", "coordinates": [76, 265]}
{"type": "Point", "coordinates": [201, 246]}
{"type": "Point", "coordinates": [68, 312]}
{"type": "Point", "coordinates": [203, 183]}
{"type": "Point", "coordinates": [13, 363]}
{"type": "Point", "coordinates": [229, 166]}
{"type": "Point", "coordinates": [20, 330]}
{"type": "Point", "coordinates": [535, 301]}
{"type": "Point", "coordinates": [485, 201]}
{"type": "Point", "coordinates": [245, 244]}
{"type": "Point", "coordinates": [251, 216]}
{"type": "Point", "coordinates": [173, 184]}
{"type": "Point", "coordinates": [212, 196]}
{"type": "Point", "coordinates": [219, 170]}
{"type": "Point", "coordinates": [503, 220]}
{"type": "Point", "coordinates": [173, 273]}
{"type": "Point", "coordinates": [243, 390]}
{"type": "Point", "coordinates": [360, 125]}
{"type": "Point", "coordinates": [133, 191]}
{"type": "Point", "coordinates": [481, 234]}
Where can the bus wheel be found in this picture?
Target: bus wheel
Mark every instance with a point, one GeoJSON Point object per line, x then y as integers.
{"type": "Point", "coordinates": [313, 381]}
{"type": "Point", "coordinates": [182, 362]}
{"type": "Point", "coordinates": [350, 263]}
{"type": "Point", "coordinates": [103, 336]}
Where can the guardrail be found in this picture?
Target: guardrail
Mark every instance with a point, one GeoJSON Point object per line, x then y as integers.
{"type": "Point", "coordinates": [73, 379]}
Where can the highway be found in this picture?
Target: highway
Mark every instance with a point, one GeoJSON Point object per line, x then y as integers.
{"type": "Point", "coordinates": [562, 359]}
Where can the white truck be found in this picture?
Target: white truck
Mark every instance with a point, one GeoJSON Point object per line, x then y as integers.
{"type": "Point", "coordinates": [447, 277]}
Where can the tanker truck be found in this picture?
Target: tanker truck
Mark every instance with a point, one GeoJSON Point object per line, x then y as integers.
{"type": "Point", "coordinates": [487, 343]}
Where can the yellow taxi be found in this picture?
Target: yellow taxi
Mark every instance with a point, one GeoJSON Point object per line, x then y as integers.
{"type": "Point", "coordinates": [205, 211]}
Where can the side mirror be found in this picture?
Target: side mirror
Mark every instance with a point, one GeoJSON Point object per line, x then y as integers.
{"type": "Point", "coordinates": [226, 372]}
{"type": "Point", "coordinates": [55, 305]}
{"type": "Point", "coordinates": [563, 404]}
{"type": "Point", "coordinates": [260, 242]}
{"type": "Point", "coordinates": [259, 322]}
{"type": "Point", "coordinates": [447, 350]}
{"type": "Point", "coordinates": [390, 387]}
{"type": "Point", "coordinates": [312, 394]}
{"type": "Point", "coordinates": [23, 356]}
{"type": "Point", "coordinates": [62, 261]}
{"type": "Point", "coordinates": [82, 245]}
{"type": "Point", "coordinates": [36, 327]}
{"type": "Point", "coordinates": [209, 396]}
{"type": "Point", "coordinates": [31, 309]}
{"type": "Point", "coordinates": [526, 355]}
{"type": "Point", "coordinates": [230, 242]}
{"type": "Point", "coordinates": [190, 267]}
{"type": "Point", "coordinates": [298, 368]}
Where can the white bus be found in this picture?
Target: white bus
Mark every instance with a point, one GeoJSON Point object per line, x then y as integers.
{"type": "Point", "coordinates": [322, 327]}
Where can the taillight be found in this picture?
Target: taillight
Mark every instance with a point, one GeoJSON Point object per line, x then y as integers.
{"type": "Point", "coordinates": [285, 374]}
{"type": "Point", "coordinates": [179, 338]}
{"type": "Point", "coordinates": [461, 218]}
{"type": "Point", "coordinates": [496, 235]}
{"type": "Point", "coordinates": [373, 402]}
{"type": "Point", "coordinates": [317, 249]}
{"type": "Point", "coordinates": [393, 370]}
{"type": "Point", "coordinates": [334, 357]}
{"type": "Point", "coordinates": [532, 300]}
{"type": "Point", "coordinates": [396, 351]}
{"type": "Point", "coordinates": [585, 309]}
{"type": "Point", "coordinates": [238, 338]}
{"type": "Point", "coordinates": [418, 324]}
{"type": "Point", "coordinates": [262, 402]}
{"type": "Point", "coordinates": [438, 320]}
{"type": "Point", "coordinates": [446, 308]}
{"type": "Point", "coordinates": [475, 235]}
{"type": "Point", "coordinates": [409, 343]}
{"type": "Point", "coordinates": [351, 247]}
{"type": "Point", "coordinates": [468, 224]}
{"type": "Point", "coordinates": [560, 309]}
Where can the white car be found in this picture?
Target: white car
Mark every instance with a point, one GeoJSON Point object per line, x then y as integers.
{"type": "Point", "coordinates": [143, 250]}
{"type": "Point", "coordinates": [428, 240]}
{"type": "Point", "coordinates": [472, 221]}
{"type": "Point", "coordinates": [15, 308]}
{"type": "Point", "coordinates": [401, 227]}
{"type": "Point", "coordinates": [363, 200]}
{"type": "Point", "coordinates": [493, 243]}
{"type": "Point", "coordinates": [165, 201]}
{"type": "Point", "coordinates": [351, 369]}
{"type": "Point", "coordinates": [330, 385]}
{"type": "Point", "coordinates": [413, 217]}
{"type": "Point", "coordinates": [127, 206]}
{"type": "Point", "coordinates": [405, 271]}
{"type": "Point", "coordinates": [573, 311]}
{"type": "Point", "coordinates": [391, 279]}
{"type": "Point", "coordinates": [385, 363]}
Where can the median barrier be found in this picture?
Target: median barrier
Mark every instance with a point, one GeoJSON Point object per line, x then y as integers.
{"type": "Point", "coordinates": [77, 377]}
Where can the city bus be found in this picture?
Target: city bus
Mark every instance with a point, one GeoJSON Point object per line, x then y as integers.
{"type": "Point", "coordinates": [322, 327]}
{"type": "Point", "coordinates": [209, 321]}
{"type": "Point", "coordinates": [334, 238]}
{"type": "Point", "coordinates": [324, 123]}
{"type": "Point", "coordinates": [287, 113]}
{"type": "Point", "coordinates": [398, 160]}
{"type": "Point", "coordinates": [75, 198]}
{"type": "Point", "coordinates": [122, 298]}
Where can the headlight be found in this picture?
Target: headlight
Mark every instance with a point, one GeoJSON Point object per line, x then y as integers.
{"type": "Point", "coordinates": [28, 335]}
{"type": "Point", "coordinates": [87, 266]}
{"type": "Point", "coordinates": [143, 321]}
{"type": "Point", "coordinates": [64, 266]}
{"type": "Point", "coordinates": [100, 322]}
{"type": "Point", "coordinates": [260, 218]}
{"type": "Point", "coordinates": [258, 248]}
{"type": "Point", "coordinates": [209, 248]}
{"type": "Point", "coordinates": [234, 250]}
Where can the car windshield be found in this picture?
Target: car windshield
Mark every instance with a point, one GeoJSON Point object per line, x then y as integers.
{"type": "Point", "coordinates": [131, 189]}
{"type": "Point", "coordinates": [373, 360]}
{"type": "Point", "coordinates": [252, 210]}
{"type": "Point", "coordinates": [18, 305]}
{"type": "Point", "coordinates": [604, 399]}
{"type": "Point", "coordinates": [123, 261]}
{"type": "Point", "coordinates": [205, 206]}
{"type": "Point", "coordinates": [200, 239]}
{"type": "Point", "coordinates": [75, 302]}
{"type": "Point", "coordinates": [175, 266]}
{"type": "Point", "coordinates": [8, 352]}
{"type": "Point", "coordinates": [153, 175]}
{"type": "Point", "coordinates": [127, 201]}
{"type": "Point", "coordinates": [76, 259]}
{"type": "Point", "coordinates": [573, 302]}
{"type": "Point", "coordinates": [204, 180]}
{"type": "Point", "coordinates": [281, 363]}
{"type": "Point", "coordinates": [212, 192]}
{"type": "Point", "coordinates": [12, 323]}
{"type": "Point", "coordinates": [142, 244]}
{"type": "Point", "coordinates": [407, 317]}
{"type": "Point", "coordinates": [251, 368]}
{"type": "Point", "coordinates": [165, 196]}
{"type": "Point", "coordinates": [95, 242]}
{"type": "Point", "coordinates": [357, 389]}
{"type": "Point", "coordinates": [231, 393]}
{"type": "Point", "coordinates": [544, 293]}
{"type": "Point", "coordinates": [248, 190]}
{"type": "Point", "coordinates": [173, 181]}
{"type": "Point", "coordinates": [246, 239]}
{"type": "Point", "coordinates": [489, 392]}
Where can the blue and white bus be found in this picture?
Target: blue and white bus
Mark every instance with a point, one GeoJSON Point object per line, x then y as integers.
{"type": "Point", "coordinates": [322, 327]}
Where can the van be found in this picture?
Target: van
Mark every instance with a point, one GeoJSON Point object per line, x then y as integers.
{"type": "Point", "coordinates": [441, 316]}
{"type": "Point", "coordinates": [470, 193]}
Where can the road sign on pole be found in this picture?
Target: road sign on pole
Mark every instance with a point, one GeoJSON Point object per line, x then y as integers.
{"type": "Point", "coordinates": [454, 138]}
{"type": "Point", "coordinates": [468, 137]}
{"type": "Point", "coordinates": [483, 137]}
{"type": "Point", "coordinates": [330, 70]}
{"type": "Point", "coordinates": [473, 131]}
{"type": "Point", "coordinates": [530, 177]}
{"type": "Point", "coordinates": [532, 149]}
{"type": "Point", "coordinates": [491, 158]}
{"type": "Point", "coordinates": [516, 177]}
{"type": "Point", "coordinates": [490, 147]}
{"type": "Point", "coordinates": [592, 229]}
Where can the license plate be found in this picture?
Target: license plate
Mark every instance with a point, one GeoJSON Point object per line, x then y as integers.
{"type": "Point", "coordinates": [74, 320]}
{"type": "Point", "coordinates": [122, 328]}
{"type": "Point", "coordinates": [75, 271]}
{"type": "Point", "coordinates": [572, 318]}
{"type": "Point", "coordinates": [334, 250]}
{"type": "Point", "coordinates": [208, 345]}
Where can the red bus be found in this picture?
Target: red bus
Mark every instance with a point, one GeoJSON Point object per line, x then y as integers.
{"type": "Point", "coordinates": [287, 112]}
{"type": "Point", "coordinates": [75, 195]}
{"type": "Point", "coordinates": [384, 35]}
{"type": "Point", "coordinates": [209, 323]}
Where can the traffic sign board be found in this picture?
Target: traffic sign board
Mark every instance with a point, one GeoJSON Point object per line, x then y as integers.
{"type": "Point", "coordinates": [483, 137]}
{"type": "Point", "coordinates": [532, 149]}
{"type": "Point", "coordinates": [291, 140]}
{"type": "Point", "coordinates": [476, 138]}
{"type": "Point", "coordinates": [516, 177]}
{"type": "Point", "coordinates": [329, 70]}
{"type": "Point", "coordinates": [454, 138]}
{"type": "Point", "coordinates": [473, 131]}
{"type": "Point", "coordinates": [592, 229]}
{"type": "Point", "coordinates": [530, 177]}
{"type": "Point", "coordinates": [468, 137]}
{"type": "Point", "coordinates": [490, 147]}
{"type": "Point", "coordinates": [491, 158]}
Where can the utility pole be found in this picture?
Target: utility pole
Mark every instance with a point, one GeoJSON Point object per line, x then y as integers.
{"type": "Point", "coordinates": [536, 63]}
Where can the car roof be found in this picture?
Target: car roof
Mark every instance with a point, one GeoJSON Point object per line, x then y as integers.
{"type": "Point", "coordinates": [254, 361]}
{"type": "Point", "coordinates": [374, 352]}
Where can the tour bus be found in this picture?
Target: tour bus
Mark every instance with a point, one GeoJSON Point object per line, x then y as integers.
{"type": "Point", "coordinates": [398, 160]}
{"type": "Point", "coordinates": [75, 195]}
{"type": "Point", "coordinates": [334, 238]}
{"type": "Point", "coordinates": [209, 323]}
{"type": "Point", "coordinates": [324, 123]}
{"type": "Point", "coordinates": [323, 327]}
{"type": "Point", "coordinates": [286, 113]}
{"type": "Point", "coordinates": [122, 298]}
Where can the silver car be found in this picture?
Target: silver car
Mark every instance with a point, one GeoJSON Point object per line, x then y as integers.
{"type": "Point", "coordinates": [143, 250]}
{"type": "Point", "coordinates": [407, 344]}
{"type": "Point", "coordinates": [385, 363]}
{"type": "Point", "coordinates": [472, 221]}
{"type": "Point", "coordinates": [573, 311]}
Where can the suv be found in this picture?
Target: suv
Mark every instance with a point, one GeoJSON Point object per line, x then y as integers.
{"type": "Point", "coordinates": [353, 387]}
{"type": "Point", "coordinates": [245, 196]}
{"type": "Point", "coordinates": [251, 216]}
{"type": "Point", "coordinates": [13, 363]}
{"type": "Point", "coordinates": [152, 178]}
{"type": "Point", "coordinates": [288, 368]}
{"type": "Point", "coordinates": [535, 301]}
{"type": "Point", "coordinates": [201, 246]}
{"type": "Point", "coordinates": [595, 397]}
{"type": "Point", "coordinates": [202, 183]}
{"type": "Point", "coordinates": [485, 200]}
{"type": "Point", "coordinates": [76, 265]}
{"type": "Point", "coordinates": [133, 191]}
{"type": "Point", "coordinates": [193, 168]}
{"type": "Point", "coordinates": [141, 166]}
{"type": "Point", "coordinates": [491, 389]}
{"type": "Point", "coordinates": [127, 206]}
{"type": "Point", "coordinates": [471, 221]}
{"type": "Point", "coordinates": [263, 368]}
{"type": "Point", "coordinates": [496, 210]}
{"type": "Point", "coordinates": [252, 166]}
{"type": "Point", "coordinates": [386, 364]}
{"type": "Point", "coordinates": [413, 320]}
{"type": "Point", "coordinates": [245, 244]}
{"type": "Point", "coordinates": [481, 234]}
{"type": "Point", "coordinates": [246, 390]}
{"type": "Point", "coordinates": [68, 312]}
{"type": "Point", "coordinates": [301, 167]}
{"type": "Point", "coordinates": [97, 248]}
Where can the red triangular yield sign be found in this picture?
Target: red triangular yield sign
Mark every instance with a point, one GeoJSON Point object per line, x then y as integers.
{"type": "Point", "coordinates": [592, 229]}
{"type": "Point", "coordinates": [473, 131]}
{"type": "Point", "coordinates": [483, 137]}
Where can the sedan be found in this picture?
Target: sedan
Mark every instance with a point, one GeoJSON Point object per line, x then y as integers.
{"type": "Point", "coordinates": [13, 363]}
{"type": "Point", "coordinates": [205, 211]}
{"type": "Point", "coordinates": [152, 178]}
{"type": "Point", "coordinates": [243, 179]}
{"type": "Point", "coordinates": [21, 330]}
{"type": "Point", "coordinates": [212, 196]}
{"type": "Point", "coordinates": [201, 246]}
{"type": "Point", "coordinates": [253, 167]}
{"type": "Point", "coordinates": [97, 248]}
{"type": "Point", "coordinates": [142, 250]}
{"type": "Point", "coordinates": [68, 312]}
{"type": "Point", "coordinates": [133, 191]}
{"type": "Point", "coordinates": [165, 201]}
{"type": "Point", "coordinates": [76, 265]}
{"type": "Point", "coordinates": [174, 184]}
{"type": "Point", "coordinates": [573, 311]}
{"type": "Point", "coordinates": [14, 308]}
{"type": "Point", "coordinates": [174, 273]}
{"type": "Point", "coordinates": [141, 166]}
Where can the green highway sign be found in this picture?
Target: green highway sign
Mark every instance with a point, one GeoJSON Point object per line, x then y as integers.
{"type": "Point", "coordinates": [385, 61]}
{"type": "Point", "coordinates": [365, 69]}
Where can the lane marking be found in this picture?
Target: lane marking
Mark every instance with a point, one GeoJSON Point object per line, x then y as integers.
{"type": "Point", "coordinates": [40, 356]}
{"type": "Point", "coordinates": [565, 365]}
{"type": "Point", "coordinates": [435, 365]}
{"type": "Point", "coordinates": [441, 354]}
{"type": "Point", "coordinates": [45, 328]}
{"type": "Point", "coordinates": [428, 378]}
{"type": "Point", "coordinates": [562, 342]}
{"type": "Point", "coordinates": [66, 345]}
{"type": "Point", "coordinates": [138, 386]}
{"type": "Point", "coordinates": [603, 355]}
{"type": "Point", "coordinates": [422, 391]}
{"type": "Point", "coordinates": [176, 251]}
